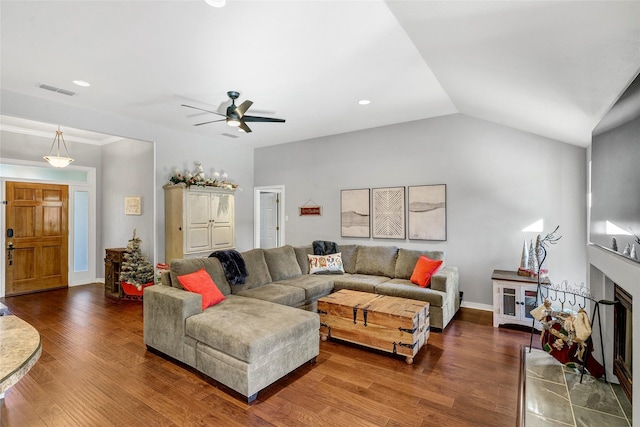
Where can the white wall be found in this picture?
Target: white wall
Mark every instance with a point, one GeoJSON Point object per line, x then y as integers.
{"type": "Point", "coordinates": [499, 180]}
{"type": "Point", "coordinates": [173, 149]}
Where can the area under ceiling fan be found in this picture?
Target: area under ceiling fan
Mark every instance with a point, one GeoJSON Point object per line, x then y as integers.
{"type": "Point", "coordinates": [236, 114]}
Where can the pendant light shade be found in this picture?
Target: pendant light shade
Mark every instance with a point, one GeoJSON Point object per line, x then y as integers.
{"type": "Point", "coordinates": [58, 161]}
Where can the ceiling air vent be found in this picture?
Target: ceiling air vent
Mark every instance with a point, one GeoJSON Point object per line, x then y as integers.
{"type": "Point", "coordinates": [56, 89]}
{"type": "Point", "coordinates": [230, 135]}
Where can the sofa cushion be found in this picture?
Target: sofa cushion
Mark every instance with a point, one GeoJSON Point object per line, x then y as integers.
{"type": "Point", "coordinates": [405, 289]}
{"type": "Point", "coordinates": [180, 267]}
{"type": "Point", "coordinates": [407, 259]}
{"type": "Point", "coordinates": [301, 256]}
{"type": "Point", "coordinates": [349, 256]}
{"type": "Point", "coordinates": [424, 269]}
{"type": "Point", "coordinates": [376, 260]}
{"type": "Point", "coordinates": [277, 293]}
{"type": "Point", "coordinates": [282, 262]}
{"type": "Point", "coordinates": [325, 264]}
{"type": "Point", "coordinates": [200, 282]}
{"type": "Point", "coordinates": [358, 282]}
{"type": "Point", "coordinates": [250, 329]}
{"type": "Point", "coordinates": [257, 270]}
{"type": "Point", "coordinates": [314, 286]}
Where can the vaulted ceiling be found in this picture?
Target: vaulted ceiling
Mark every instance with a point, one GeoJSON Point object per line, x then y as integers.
{"type": "Point", "coordinates": [549, 68]}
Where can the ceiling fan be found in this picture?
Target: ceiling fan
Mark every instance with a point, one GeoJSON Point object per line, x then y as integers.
{"type": "Point", "coordinates": [236, 114]}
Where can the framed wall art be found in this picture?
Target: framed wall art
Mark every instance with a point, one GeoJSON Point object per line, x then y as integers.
{"type": "Point", "coordinates": [355, 213]}
{"type": "Point", "coordinates": [133, 205]}
{"type": "Point", "coordinates": [428, 212]}
{"type": "Point", "coordinates": [388, 213]}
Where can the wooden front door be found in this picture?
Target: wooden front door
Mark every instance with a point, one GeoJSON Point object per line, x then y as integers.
{"type": "Point", "coordinates": [36, 237]}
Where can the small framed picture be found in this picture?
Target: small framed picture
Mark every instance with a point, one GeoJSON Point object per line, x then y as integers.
{"type": "Point", "coordinates": [133, 205]}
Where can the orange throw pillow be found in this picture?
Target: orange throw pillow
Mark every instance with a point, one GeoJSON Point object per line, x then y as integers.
{"type": "Point", "coordinates": [201, 283]}
{"type": "Point", "coordinates": [424, 269]}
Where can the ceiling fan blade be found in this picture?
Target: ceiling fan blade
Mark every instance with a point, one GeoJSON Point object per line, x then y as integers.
{"type": "Point", "coordinates": [212, 121]}
{"type": "Point", "coordinates": [244, 127]}
{"type": "Point", "coordinates": [242, 108]}
{"type": "Point", "coordinates": [202, 109]}
{"type": "Point", "coordinates": [262, 119]}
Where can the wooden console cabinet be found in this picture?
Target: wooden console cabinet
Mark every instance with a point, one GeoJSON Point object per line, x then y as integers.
{"type": "Point", "coordinates": [112, 266]}
{"type": "Point", "coordinates": [198, 221]}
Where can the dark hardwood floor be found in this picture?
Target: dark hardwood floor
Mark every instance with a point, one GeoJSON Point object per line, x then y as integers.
{"type": "Point", "coordinates": [95, 371]}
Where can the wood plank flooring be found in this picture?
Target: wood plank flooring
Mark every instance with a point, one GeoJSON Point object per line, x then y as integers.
{"type": "Point", "coordinates": [95, 371]}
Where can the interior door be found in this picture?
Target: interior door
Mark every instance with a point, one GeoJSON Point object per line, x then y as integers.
{"type": "Point", "coordinates": [36, 237]}
{"type": "Point", "coordinates": [268, 220]}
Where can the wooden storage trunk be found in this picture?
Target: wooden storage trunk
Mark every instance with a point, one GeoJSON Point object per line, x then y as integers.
{"type": "Point", "coordinates": [395, 325]}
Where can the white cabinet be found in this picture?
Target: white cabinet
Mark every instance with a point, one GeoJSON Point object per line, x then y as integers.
{"type": "Point", "coordinates": [513, 298]}
{"type": "Point", "coordinates": [198, 221]}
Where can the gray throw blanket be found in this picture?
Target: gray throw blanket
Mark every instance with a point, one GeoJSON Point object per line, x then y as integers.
{"type": "Point", "coordinates": [235, 270]}
{"type": "Point", "coordinates": [322, 247]}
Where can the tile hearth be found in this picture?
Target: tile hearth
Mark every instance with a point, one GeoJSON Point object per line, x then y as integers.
{"type": "Point", "coordinates": [554, 396]}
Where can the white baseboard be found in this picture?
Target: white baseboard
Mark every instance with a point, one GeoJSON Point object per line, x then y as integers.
{"type": "Point", "coordinates": [477, 306]}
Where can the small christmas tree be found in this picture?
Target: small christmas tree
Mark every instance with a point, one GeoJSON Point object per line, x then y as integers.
{"type": "Point", "coordinates": [136, 269]}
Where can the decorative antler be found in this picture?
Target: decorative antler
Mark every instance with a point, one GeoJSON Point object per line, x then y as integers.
{"type": "Point", "coordinates": [550, 238]}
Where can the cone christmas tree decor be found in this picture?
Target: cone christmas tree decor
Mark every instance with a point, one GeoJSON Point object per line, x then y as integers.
{"type": "Point", "coordinates": [524, 261]}
{"type": "Point", "coordinates": [533, 260]}
{"type": "Point", "coordinates": [136, 270]}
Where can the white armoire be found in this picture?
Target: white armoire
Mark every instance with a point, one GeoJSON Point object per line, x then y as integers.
{"type": "Point", "coordinates": [198, 220]}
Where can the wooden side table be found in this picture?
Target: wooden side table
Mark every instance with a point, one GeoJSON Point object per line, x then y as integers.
{"type": "Point", "coordinates": [112, 265]}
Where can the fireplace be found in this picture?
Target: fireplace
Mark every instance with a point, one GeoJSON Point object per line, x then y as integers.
{"type": "Point", "coordinates": [609, 273]}
{"type": "Point", "coordinates": [623, 339]}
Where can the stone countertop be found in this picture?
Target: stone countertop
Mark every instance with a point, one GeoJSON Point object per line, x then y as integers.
{"type": "Point", "coordinates": [20, 349]}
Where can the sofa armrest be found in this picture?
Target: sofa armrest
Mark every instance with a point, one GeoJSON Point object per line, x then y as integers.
{"type": "Point", "coordinates": [446, 280]}
{"type": "Point", "coordinates": [165, 312]}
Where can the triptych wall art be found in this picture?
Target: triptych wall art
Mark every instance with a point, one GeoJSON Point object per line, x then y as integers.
{"type": "Point", "coordinates": [419, 213]}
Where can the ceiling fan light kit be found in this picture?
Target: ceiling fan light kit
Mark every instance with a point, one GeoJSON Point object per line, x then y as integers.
{"type": "Point", "coordinates": [235, 115]}
{"type": "Point", "coordinates": [58, 161]}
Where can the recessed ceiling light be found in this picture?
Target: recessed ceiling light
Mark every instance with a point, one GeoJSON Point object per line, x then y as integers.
{"type": "Point", "coordinates": [81, 83]}
{"type": "Point", "coordinates": [364, 102]}
{"type": "Point", "coordinates": [216, 3]}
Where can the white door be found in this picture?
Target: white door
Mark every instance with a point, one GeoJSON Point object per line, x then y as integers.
{"type": "Point", "coordinates": [274, 219]}
{"type": "Point", "coordinates": [268, 220]}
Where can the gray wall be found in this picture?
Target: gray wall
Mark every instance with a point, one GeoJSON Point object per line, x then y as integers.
{"type": "Point", "coordinates": [128, 170]}
{"type": "Point", "coordinates": [172, 149]}
{"type": "Point", "coordinates": [499, 180]}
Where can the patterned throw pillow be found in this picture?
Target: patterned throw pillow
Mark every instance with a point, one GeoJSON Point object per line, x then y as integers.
{"type": "Point", "coordinates": [326, 264]}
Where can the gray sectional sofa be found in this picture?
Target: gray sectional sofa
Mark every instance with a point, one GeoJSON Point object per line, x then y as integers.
{"type": "Point", "coordinates": [259, 333]}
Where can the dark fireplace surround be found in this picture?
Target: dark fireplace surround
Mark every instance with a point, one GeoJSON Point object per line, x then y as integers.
{"type": "Point", "coordinates": [623, 339]}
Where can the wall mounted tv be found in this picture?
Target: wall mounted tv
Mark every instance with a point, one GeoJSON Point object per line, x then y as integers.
{"type": "Point", "coordinates": [615, 177]}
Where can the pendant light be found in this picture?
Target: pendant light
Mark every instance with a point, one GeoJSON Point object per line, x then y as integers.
{"type": "Point", "coordinates": [57, 161]}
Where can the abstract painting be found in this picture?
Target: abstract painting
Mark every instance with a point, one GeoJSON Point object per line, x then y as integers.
{"type": "Point", "coordinates": [428, 212]}
{"type": "Point", "coordinates": [388, 213]}
{"type": "Point", "coordinates": [354, 212]}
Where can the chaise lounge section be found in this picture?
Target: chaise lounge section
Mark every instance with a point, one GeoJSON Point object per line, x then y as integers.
{"type": "Point", "coordinates": [241, 342]}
